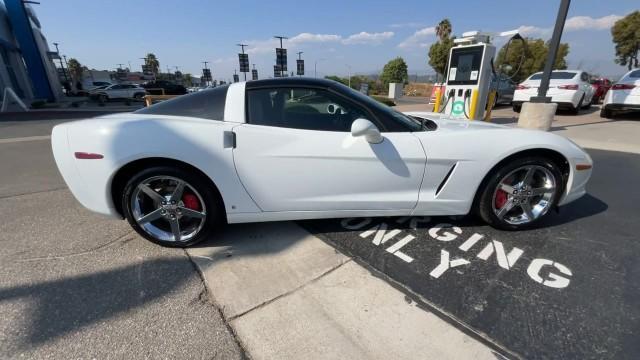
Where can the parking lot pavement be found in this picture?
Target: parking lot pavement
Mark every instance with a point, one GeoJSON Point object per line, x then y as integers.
{"type": "Point", "coordinates": [568, 289]}
{"type": "Point", "coordinates": [75, 285]}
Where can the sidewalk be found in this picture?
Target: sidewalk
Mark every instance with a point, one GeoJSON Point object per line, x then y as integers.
{"type": "Point", "coordinates": [288, 295]}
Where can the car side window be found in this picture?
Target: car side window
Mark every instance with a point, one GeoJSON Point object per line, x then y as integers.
{"type": "Point", "coordinates": [584, 77]}
{"type": "Point", "coordinates": [302, 108]}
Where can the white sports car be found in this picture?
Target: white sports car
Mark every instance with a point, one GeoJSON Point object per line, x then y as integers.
{"type": "Point", "coordinates": [296, 148]}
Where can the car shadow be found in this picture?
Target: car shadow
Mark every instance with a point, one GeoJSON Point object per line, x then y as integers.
{"type": "Point", "coordinates": [585, 207]}
{"type": "Point", "coordinates": [66, 305]}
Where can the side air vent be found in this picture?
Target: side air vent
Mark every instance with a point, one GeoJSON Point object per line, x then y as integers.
{"type": "Point", "coordinates": [444, 181]}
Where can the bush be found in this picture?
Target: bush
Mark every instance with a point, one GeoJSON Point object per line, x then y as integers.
{"type": "Point", "coordinates": [384, 100]}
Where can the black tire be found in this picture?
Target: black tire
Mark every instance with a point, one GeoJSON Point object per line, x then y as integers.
{"type": "Point", "coordinates": [214, 218]}
{"type": "Point", "coordinates": [576, 110]}
{"type": "Point", "coordinates": [484, 207]}
{"type": "Point", "coordinates": [606, 113]}
{"type": "Point", "coordinates": [517, 108]}
{"type": "Point", "coordinates": [102, 98]}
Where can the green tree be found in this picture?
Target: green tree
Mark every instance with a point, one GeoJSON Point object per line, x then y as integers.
{"type": "Point", "coordinates": [75, 70]}
{"type": "Point", "coordinates": [444, 29]}
{"type": "Point", "coordinates": [152, 61]}
{"type": "Point", "coordinates": [439, 51]}
{"type": "Point", "coordinates": [395, 71]}
{"type": "Point", "coordinates": [626, 36]}
{"type": "Point", "coordinates": [535, 57]}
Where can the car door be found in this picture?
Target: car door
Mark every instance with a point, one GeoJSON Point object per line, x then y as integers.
{"type": "Point", "coordinates": [116, 91]}
{"type": "Point", "coordinates": [296, 153]}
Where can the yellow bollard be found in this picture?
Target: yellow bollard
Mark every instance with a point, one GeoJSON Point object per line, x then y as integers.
{"type": "Point", "coordinates": [490, 100]}
{"type": "Point", "coordinates": [436, 106]}
{"type": "Point", "coordinates": [474, 103]}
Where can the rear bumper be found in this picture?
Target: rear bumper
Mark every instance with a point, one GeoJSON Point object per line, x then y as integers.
{"type": "Point", "coordinates": [564, 99]}
{"type": "Point", "coordinates": [621, 107]}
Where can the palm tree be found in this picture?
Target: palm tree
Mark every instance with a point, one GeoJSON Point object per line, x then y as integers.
{"type": "Point", "coordinates": [152, 61]}
{"type": "Point", "coordinates": [443, 29]}
{"type": "Point", "coordinates": [75, 69]}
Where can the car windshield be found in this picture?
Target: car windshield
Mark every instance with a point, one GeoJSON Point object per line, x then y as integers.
{"type": "Point", "coordinates": [635, 74]}
{"type": "Point", "coordinates": [410, 122]}
{"type": "Point", "coordinates": [556, 75]}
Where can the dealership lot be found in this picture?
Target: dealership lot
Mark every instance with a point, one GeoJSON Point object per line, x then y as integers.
{"type": "Point", "coordinates": [74, 281]}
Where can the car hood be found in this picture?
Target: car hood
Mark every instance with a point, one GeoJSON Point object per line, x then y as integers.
{"type": "Point", "coordinates": [447, 123]}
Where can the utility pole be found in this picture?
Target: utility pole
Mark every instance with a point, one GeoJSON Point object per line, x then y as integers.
{"type": "Point", "coordinates": [315, 67]}
{"type": "Point", "coordinates": [242, 46]}
{"type": "Point", "coordinates": [282, 72]}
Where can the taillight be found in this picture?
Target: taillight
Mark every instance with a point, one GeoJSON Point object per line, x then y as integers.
{"type": "Point", "coordinates": [568, 87]}
{"type": "Point", "coordinates": [521, 87]}
{"type": "Point", "coordinates": [623, 87]}
{"type": "Point", "coordinates": [88, 156]}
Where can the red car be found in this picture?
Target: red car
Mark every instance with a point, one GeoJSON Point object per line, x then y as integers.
{"type": "Point", "coordinates": [601, 86]}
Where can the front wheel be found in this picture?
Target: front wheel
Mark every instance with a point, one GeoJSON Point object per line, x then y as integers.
{"type": "Point", "coordinates": [171, 206]}
{"type": "Point", "coordinates": [521, 193]}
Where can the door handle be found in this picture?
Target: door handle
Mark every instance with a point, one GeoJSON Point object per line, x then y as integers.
{"type": "Point", "coordinates": [229, 139]}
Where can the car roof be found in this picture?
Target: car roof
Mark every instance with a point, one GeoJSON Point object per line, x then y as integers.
{"type": "Point", "coordinates": [290, 81]}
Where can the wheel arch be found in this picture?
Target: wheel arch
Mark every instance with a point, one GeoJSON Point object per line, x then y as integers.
{"type": "Point", "coordinates": [553, 155]}
{"type": "Point", "coordinates": [125, 172]}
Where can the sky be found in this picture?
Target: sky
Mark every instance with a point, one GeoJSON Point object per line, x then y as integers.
{"type": "Point", "coordinates": [336, 37]}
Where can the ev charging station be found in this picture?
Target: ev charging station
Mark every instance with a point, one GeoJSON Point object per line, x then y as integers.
{"type": "Point", "coordinates": [469, 76]}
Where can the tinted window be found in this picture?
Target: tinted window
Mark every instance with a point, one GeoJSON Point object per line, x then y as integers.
{"type": "Point", "coordinates": [302, 108]}
{"type": "Point", "coordinates": [207, 104]}
{"type": "Point", "coordinates": [635, 74]}
{"type": "Point", "coordinates": [555, 75]}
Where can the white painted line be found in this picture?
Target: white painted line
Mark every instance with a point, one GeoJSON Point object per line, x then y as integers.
{"type": "Point", "coordinates": [23, 139]}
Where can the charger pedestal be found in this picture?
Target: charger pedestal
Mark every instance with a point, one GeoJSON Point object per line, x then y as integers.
{"type": "Point", "coordinates": [537, 116]}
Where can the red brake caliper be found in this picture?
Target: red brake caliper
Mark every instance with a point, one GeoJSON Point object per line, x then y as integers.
{"type": "Point", "coordinates": [501, 198]}
{"type": "Point", "coordinates": [191, 202]}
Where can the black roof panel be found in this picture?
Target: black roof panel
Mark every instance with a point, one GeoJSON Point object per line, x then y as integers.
{"type": "Point", "coordinates": [290, 81]}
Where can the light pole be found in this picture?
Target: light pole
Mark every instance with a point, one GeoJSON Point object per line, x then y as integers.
{"type": "Point", "coordinates": [554, 43]}
{"type": "Point", "coordinates": [64, 71]}
{"type": "Point", "coordinates": [206, 78]}
{"type": "Point", "coordinates": [282, 71]}
{"type": "Point", "coordinates": [315, 67]}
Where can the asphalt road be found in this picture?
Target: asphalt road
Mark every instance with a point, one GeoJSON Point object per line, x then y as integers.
{"type": "Point", "coordinates": [569, 289]}
{"type": "Point", "coordinates": [75, 285]}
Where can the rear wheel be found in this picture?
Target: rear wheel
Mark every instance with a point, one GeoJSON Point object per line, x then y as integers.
{"type": "Point", "coordinates": [517, 108]}
{"type": "Point", "coordinates": [576, 110]}
{"type": "Point", "coordinates": [606, 113]}
{"type": "Point", "coordinates": [171, 207]}
{"type": "Point", "coordinates": [521, 193]}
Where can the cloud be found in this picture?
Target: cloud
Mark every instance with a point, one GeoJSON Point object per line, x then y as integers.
{"type": "Point", "coordinates": [419, 38]}
{"type": "Point", "coordinates": [407, 25]}
{"type": "Point", "coordinates": [368, 38]}
{"type": "Point", "coordinates": [313, 38]}
{"type": "Point", "coordinates": [574, 23]}
{"type": "Point", "coordinates": [589, 23]}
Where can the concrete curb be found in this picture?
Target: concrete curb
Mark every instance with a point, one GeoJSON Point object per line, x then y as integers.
{"type": "Point", "coordinates": [287, 294]}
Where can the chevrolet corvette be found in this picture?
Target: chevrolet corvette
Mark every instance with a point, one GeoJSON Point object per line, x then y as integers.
{"type": "Point", "coordinates": [300, 148]}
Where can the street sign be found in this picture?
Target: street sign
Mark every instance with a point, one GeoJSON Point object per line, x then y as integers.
{"type": "Point", "coordinates": [300, 67]}
{"type": "Point", "coordinates": [364, 88]}
{"type": "Point", "coordinates": [254, 74]}
{"type": "Point", "coordinates": [244, 62]}
{"type": "Point", "coordinates": [281, 58]}
{"type": "Point", "coordinates": [206, 74]}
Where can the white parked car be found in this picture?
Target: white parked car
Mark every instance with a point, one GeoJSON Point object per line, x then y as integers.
{"type": "Point", "coordinates": [297, 148]}
{"type": "Point", "coordinates": [119, 91]}
{"type": "Point", "coordinates": [570, 89]}
{"type": "Point", "coordinates": [623, 95]}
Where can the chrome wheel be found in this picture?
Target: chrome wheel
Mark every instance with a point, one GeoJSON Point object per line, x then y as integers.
{"type": "Point", "coordinates": [524, 195]}
{"type": "Point", "coordinates": [168, 208]}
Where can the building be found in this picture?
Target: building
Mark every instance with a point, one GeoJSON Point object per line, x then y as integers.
{"type": "Point", "coordinates": [26, 64]}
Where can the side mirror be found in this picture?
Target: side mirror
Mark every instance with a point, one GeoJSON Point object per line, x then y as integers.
{"type": "Point", "coordinates": [364, 127]}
